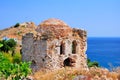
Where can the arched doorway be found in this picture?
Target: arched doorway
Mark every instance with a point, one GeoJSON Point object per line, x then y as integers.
{"type": "Point", "coordinates": [69, 62]}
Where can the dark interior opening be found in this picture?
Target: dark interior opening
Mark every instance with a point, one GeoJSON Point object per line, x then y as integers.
{"type": "Point", "coordinates": [62, 48]}
{"type": "Point", "coordinates": [74, 45]}
{"type": "Point", "coordinates": [67, 62]}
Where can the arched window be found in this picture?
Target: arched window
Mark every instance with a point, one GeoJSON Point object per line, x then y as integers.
{"type": "Point", "coordinates": [62, 48]}
{"type": "Point", "coordinates": [74, 45]}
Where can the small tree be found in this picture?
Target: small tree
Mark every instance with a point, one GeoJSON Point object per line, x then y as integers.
{"type": "Point", "coordinates": [5, 47]}
{"type": "Point", "coordinates": [12, 44]}
{"type": "Point", "coordinates": [8, 45]}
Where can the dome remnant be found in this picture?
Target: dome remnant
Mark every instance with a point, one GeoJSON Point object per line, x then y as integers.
{"type": "Point", "coordinates": [55, 26]}
{"type": "Point", "coordinates": [53, 22]}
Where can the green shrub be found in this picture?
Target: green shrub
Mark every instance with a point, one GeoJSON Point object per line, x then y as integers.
{"type": "Point", "coordinates": [16, 25]}
{"type": "Point", "coordinates": [5, 47]}
{"type": "Point", "coordinates": [19, 32]}
{"type": "Point", "coordinates": [92, 64]}
{"type": "Point", "coordinates": [11, 42]}
{"type": "Point", "coordinates": [8, 56]}
{"type": "Point", "coordinates": [8, 45]}
{"type": "Point", "coordinates": [17, 58]}
{"type": "Point", "coordinates": [9, 70]}
{"type": "Point", "coordinates": [13, 71]}
{"type": "Point", "coordinates": [1, 45]}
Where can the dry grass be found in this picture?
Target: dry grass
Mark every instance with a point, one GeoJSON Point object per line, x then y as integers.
{"type": "Point", "coordinates": [61, 74]}
{"type": "Point", "coordinates": [117, 70]}
{"type": "Point", "coordinates": [103, 74]}
{"type": "Point", "coordinates": [70, 74]}
{"type": "Point", "coordinates": [17, 32]}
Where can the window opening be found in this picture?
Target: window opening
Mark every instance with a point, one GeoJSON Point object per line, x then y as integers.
{"type": "Point", "coordinates": [62, 48]}
{"type": "Point", "coordinates": [74, 45]}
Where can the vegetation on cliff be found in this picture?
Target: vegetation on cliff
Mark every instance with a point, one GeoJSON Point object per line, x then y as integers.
{"type": "Point", "coordinates": [11, 67]}
{"type": "Point", "coordinates": [13, 71]}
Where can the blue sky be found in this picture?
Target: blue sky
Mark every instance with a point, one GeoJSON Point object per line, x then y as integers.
{"type": "Point", "coordinates": [101, 18]}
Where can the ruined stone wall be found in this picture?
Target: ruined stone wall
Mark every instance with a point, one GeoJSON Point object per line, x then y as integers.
{"type": "Point", "coordinates": [46, 52]}
{"type": "Point", "coordinates": [57, 59]}
{"type": "Point", "coordinates": [53, 59]}
{"type": "Point", "coordinates": [39, 54]}
{"type": "Point", "coordinates": [27, 47]}
{"type": "Point", "coordinates": [34, 50]}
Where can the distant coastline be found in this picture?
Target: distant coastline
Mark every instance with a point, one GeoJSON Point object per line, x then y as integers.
{"type": "Point", "coordinates": [105, 37]}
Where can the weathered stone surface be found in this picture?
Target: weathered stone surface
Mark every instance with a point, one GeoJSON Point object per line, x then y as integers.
{"type": "Point", "coordinates": [55, 45]}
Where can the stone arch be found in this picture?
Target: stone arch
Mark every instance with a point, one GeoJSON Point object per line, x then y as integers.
{"type": "Point", "coordinates": [69, 62]}
{"type": "Point", "coordinates": [74, 46]}
{"type": "Point", "coordinates": [62, 48]}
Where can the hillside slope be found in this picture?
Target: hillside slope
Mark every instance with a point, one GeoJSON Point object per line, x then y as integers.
{"type": "Point", "coordinates": [17, 32]}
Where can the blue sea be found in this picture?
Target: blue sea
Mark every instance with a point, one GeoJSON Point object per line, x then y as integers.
{"type": "Point", "coordinates": [106, 51]}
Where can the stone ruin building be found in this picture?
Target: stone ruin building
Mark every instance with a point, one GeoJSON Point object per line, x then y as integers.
{"type": "Point", "coordinates": [55, 45]}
